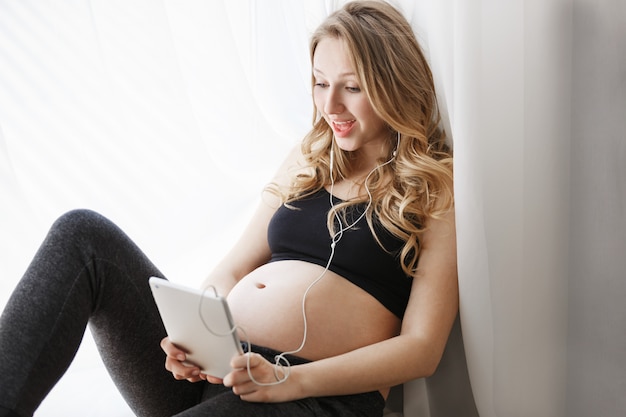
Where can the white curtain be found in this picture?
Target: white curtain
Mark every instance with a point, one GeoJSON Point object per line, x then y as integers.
{"type": "Point", "coordinates": [168, 117]}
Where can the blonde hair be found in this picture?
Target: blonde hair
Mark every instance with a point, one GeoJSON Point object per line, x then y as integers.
{"type": "Point", "coordinates": [394, 74]}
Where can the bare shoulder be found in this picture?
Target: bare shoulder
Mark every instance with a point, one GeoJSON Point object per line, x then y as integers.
{"type": "Point", "coordinates": [440, 233]}
{"type": "Point", "coordinates": [293, 162]}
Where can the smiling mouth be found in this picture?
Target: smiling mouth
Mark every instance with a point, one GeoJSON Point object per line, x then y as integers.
{"type": "Point", "coordinates": [344, 126]}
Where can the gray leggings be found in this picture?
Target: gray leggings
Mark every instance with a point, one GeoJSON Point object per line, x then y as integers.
{"type": "Point", "coordinates": [87, 271]}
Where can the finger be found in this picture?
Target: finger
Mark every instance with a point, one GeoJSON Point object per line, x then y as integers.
{"type": "Point", "coordinates": [191, 374]}
{"type": "Point", "coordinates": [230, 379]}
{"type": "Point", "coordinates": [171, 350]}
{"type": "Point", "coordinates": [191, 377]}
{"type": "Point", "coordinates": [174, 365]}
{"type": "Point", "coordinates": [245, 389]}
{"type": "Point", "coordinates": [181, 370]}
{"type": "Point", "coordinates": [214, 380]}
{"type": "Point", "coordinates": [241, 361]}
{"type": "Point", "coordinates": [178, 377]}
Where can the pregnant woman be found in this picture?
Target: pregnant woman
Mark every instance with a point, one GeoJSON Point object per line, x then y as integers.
{"type": "Point", "coordinates": [347, 269]}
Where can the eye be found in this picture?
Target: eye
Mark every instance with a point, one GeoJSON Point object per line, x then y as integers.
{"type": "Point", "coordinates": [321, 84]}
{"type": "Point", "coordinates": [353, 89]}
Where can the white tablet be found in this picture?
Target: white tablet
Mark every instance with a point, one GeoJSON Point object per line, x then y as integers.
{"type": "Point", "coordinates": [200, 323]}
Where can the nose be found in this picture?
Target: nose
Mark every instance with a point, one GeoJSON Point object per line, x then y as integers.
{"type": "Point", "coordinates": [333, 104]}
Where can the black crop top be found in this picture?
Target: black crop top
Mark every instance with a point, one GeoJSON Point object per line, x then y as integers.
{"type": "Point", "coordinates": [301, 234]}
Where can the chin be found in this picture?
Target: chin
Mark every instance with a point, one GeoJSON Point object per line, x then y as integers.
{"type": "Point", "coordinates": [347, 145]}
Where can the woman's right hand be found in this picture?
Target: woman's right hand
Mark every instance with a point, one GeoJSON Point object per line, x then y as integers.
{"type": "Point", "coordinates": [175, 363]}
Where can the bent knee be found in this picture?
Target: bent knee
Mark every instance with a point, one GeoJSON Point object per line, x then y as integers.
{"type": "Point", "coordinates": [80, 223]}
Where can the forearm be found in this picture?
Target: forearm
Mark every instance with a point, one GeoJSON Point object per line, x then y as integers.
{"type": "Point", "coordinates": [250, 252]}
{"type": "Point", "coordinates": [370, 368]}
{"type": "Point", "coordinates": [222, 280]}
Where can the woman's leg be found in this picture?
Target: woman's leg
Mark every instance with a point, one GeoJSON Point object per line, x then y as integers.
{"type": "Point", "coordinates": [87, 271]}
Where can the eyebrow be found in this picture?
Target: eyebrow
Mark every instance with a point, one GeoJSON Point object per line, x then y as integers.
{"type": "Point", "coordinates": [343, 74]}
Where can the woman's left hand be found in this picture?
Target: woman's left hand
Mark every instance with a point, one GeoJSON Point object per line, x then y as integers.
{"type": "Point", "coordinates": [263, 372]}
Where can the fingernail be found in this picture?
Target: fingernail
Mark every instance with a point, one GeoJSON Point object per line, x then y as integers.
{"type": "Point", "coordinates": [180, 357]}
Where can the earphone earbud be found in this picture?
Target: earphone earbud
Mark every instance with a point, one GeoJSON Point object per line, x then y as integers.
{"type": "Point", "coordinates": [395, 151]}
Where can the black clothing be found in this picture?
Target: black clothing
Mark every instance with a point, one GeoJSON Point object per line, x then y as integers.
{"type": "Point", "coordinates": [299, 232]}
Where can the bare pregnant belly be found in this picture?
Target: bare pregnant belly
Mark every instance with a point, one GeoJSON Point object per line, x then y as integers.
{"type": "Point", "coordinates": [340, 316]}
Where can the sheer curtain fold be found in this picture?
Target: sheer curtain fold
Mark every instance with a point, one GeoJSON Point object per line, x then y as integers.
{"type": "Point", "coordinates": [506, 87]}
{"type": "Point", "coordinates": [532, 83]}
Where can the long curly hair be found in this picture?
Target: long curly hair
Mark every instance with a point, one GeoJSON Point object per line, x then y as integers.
{"type": "Point", "coordinates": [393, 72]}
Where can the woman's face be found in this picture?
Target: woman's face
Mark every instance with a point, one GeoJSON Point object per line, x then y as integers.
{"type": "Point", "coordinates": [338, 97]}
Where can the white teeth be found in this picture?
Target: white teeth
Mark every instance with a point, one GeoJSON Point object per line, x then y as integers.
{"type": "Point", "coordinates": [344, 123]}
